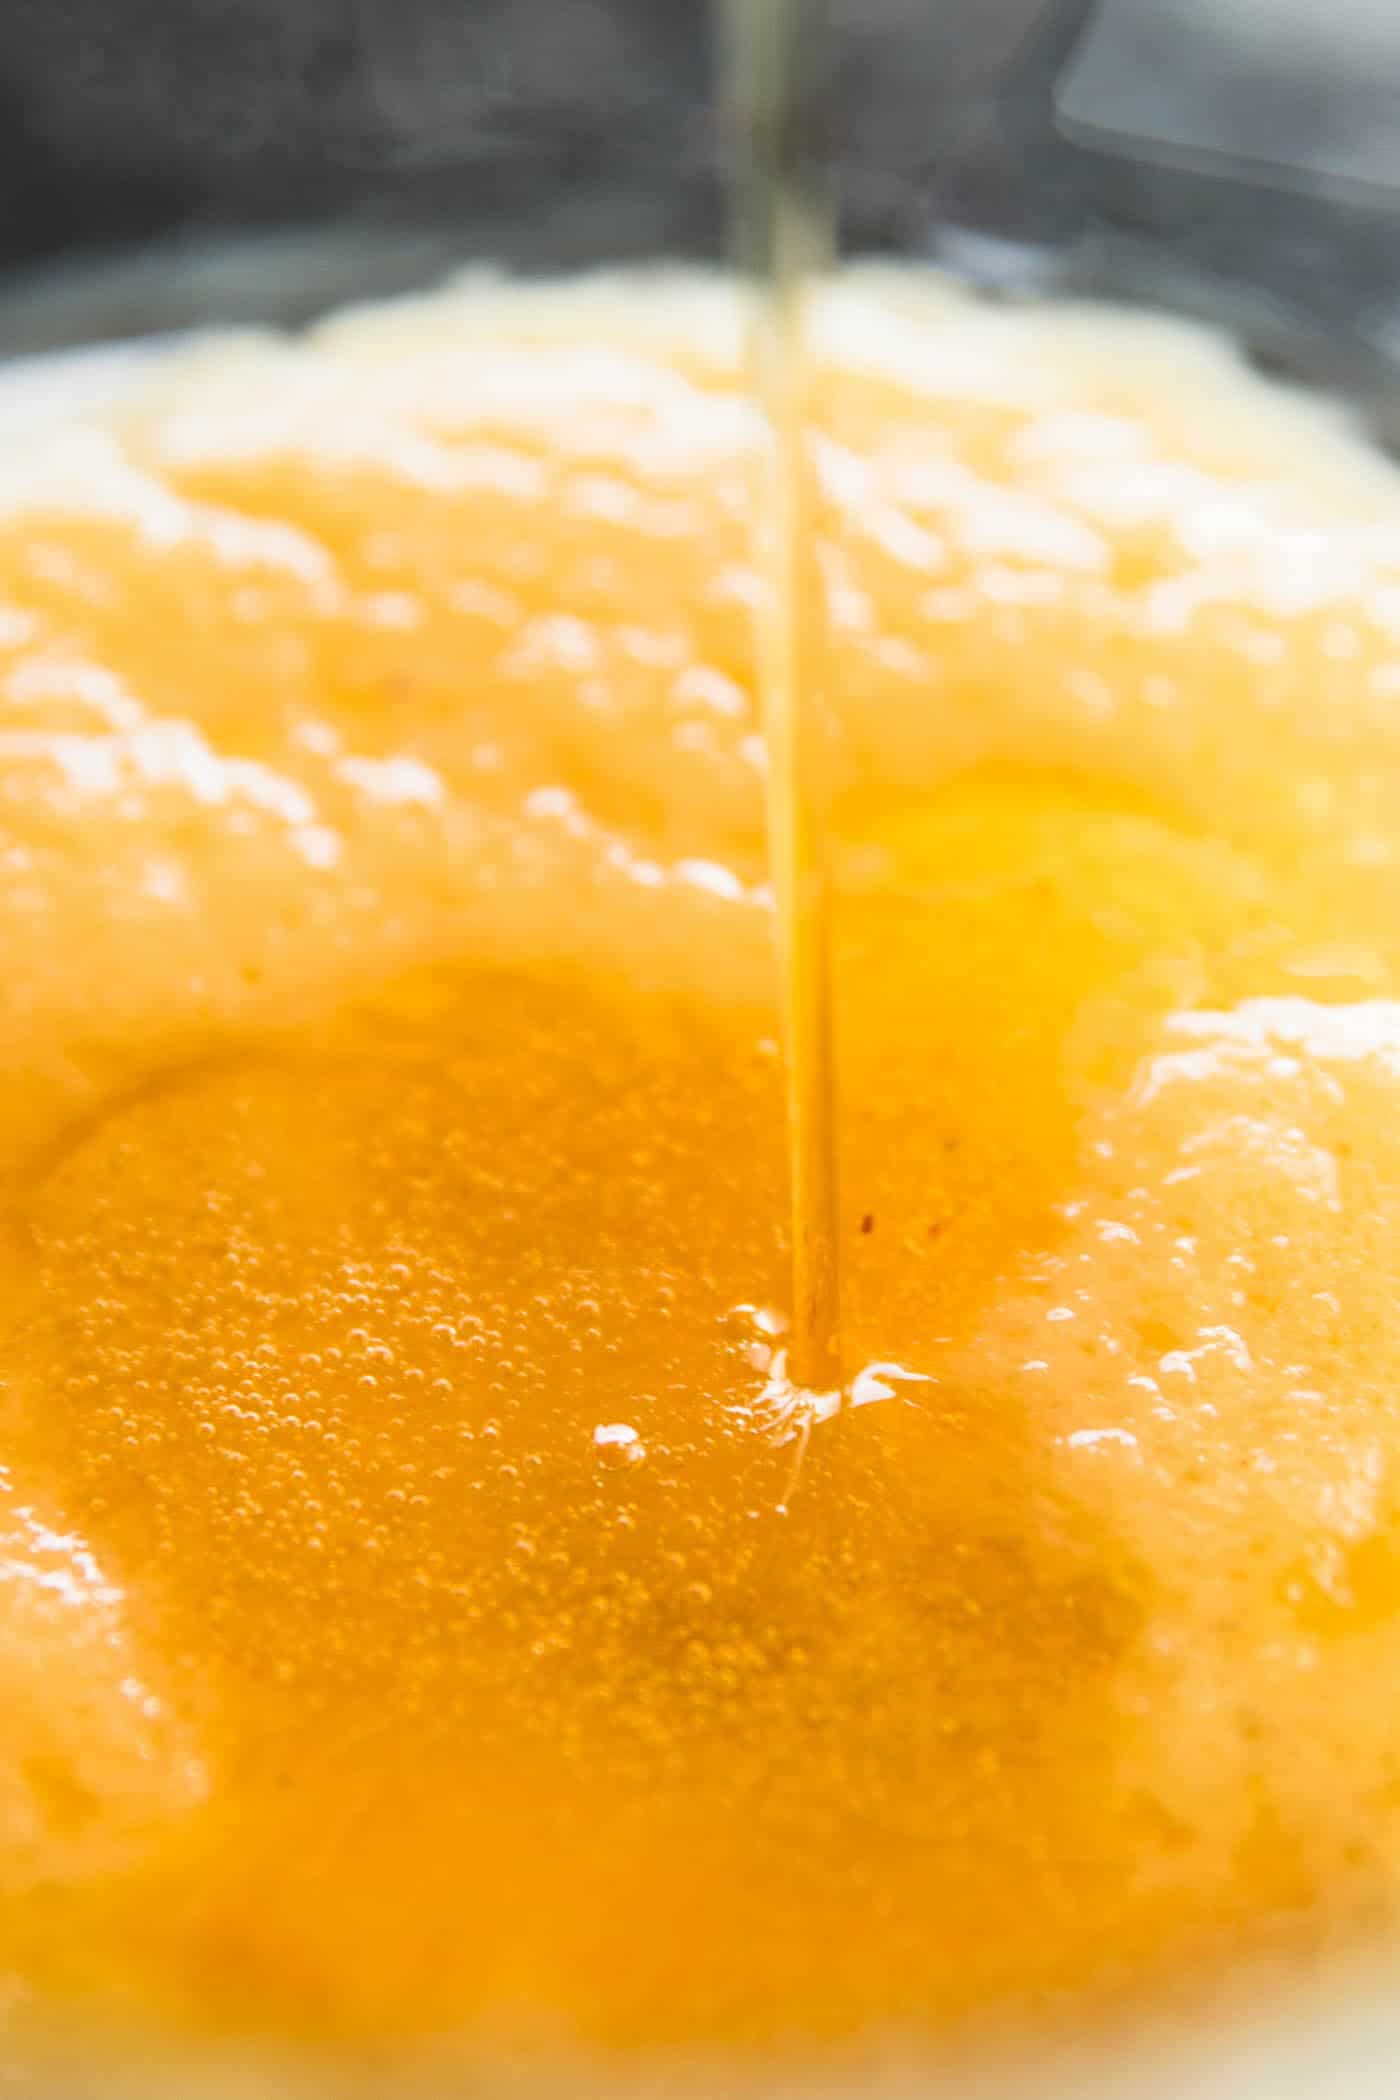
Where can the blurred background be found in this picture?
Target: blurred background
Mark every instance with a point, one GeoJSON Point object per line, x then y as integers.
{"type": "Point", "coordinates": [171, 162]}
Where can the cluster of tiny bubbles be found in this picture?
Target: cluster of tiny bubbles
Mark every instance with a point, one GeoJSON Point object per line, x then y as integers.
{"type": "Point", "coordinates": [374, 1399]}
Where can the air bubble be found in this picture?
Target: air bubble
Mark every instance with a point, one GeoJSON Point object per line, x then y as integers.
{"type": "Point", "coordinates": [618, 1445]}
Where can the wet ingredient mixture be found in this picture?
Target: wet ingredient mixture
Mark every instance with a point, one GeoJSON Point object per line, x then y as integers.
{"type": "Point", "coordinates": [426, 1609]}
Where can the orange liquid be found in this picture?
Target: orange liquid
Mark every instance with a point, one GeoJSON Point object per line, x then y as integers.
{"type": "Point", "coordinates": [407, 1638]}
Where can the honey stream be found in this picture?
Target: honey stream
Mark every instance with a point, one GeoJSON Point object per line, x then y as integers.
{"type": "Point", "coordinates": [784, 236]}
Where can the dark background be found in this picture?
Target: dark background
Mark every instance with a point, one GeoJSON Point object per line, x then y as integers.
{"type": "Point", "coordinates": [120, 118]}
{"type": "Point", "coordinates": [267, 157]}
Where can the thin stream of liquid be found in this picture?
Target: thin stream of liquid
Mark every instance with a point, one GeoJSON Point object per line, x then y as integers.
{"type": "Point", "coordinates": [784, 230]}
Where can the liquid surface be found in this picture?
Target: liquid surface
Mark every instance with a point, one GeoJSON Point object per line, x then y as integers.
{"type": "Point", "coordinates": [424, 1613]}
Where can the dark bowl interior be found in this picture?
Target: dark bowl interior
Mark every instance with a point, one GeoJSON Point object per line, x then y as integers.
{"type": "Point", "coordinates": [166, 164]}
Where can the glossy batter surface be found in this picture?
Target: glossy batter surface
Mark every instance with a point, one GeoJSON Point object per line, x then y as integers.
{"type": "Point", "coordinates": [419, 1613]}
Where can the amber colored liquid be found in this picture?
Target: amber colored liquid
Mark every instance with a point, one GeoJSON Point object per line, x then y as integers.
{"type": "Point", "coordinates": [405, 1637]}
